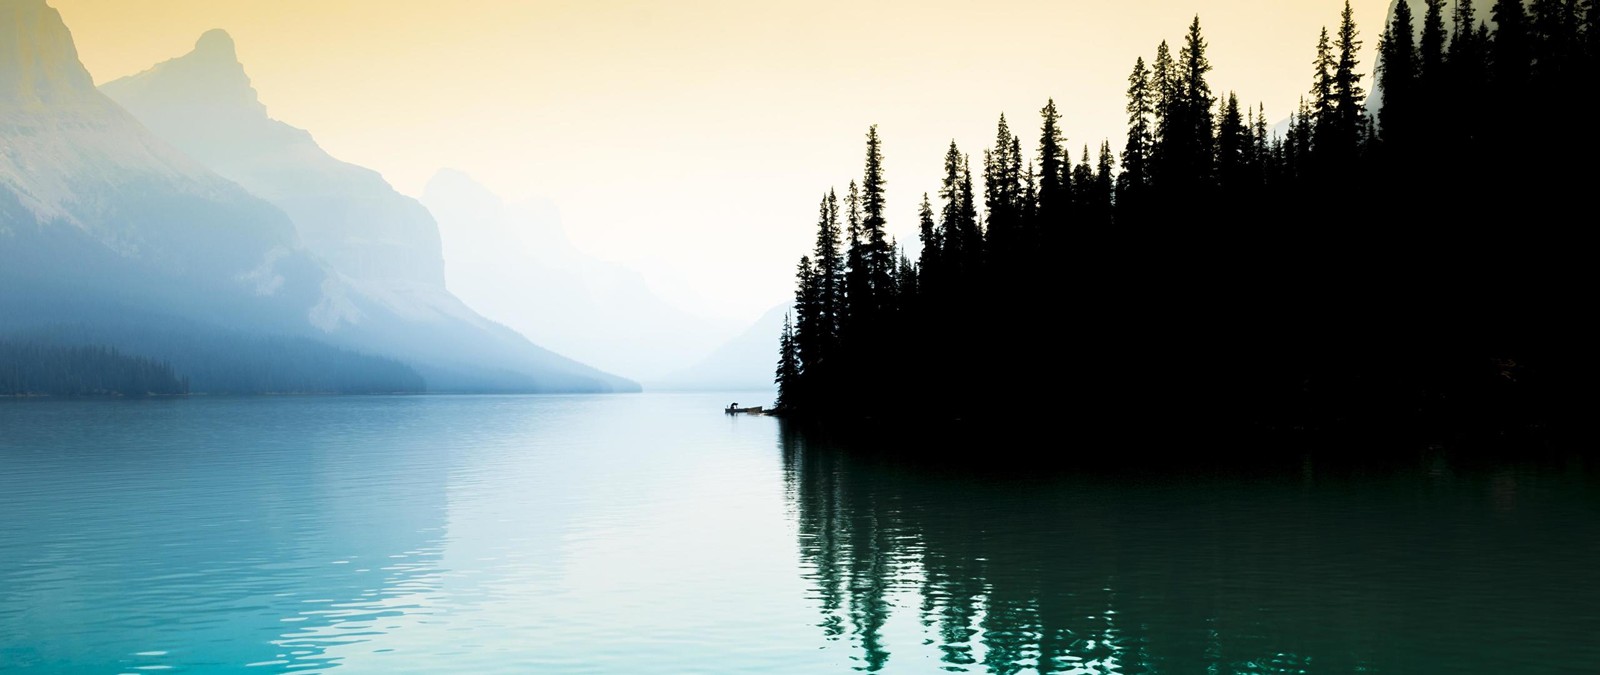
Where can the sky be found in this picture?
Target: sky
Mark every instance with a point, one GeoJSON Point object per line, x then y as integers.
{"type": "Point", "coordinates": [692, 139]}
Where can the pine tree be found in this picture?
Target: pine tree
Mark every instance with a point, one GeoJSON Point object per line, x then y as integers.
{"type": "Point", "coordinates": [1233, 148]}
{"type": "Point", "coordinates": [907, 282]}
{"type": "Point", "coordinates": [1398, 68]}
{"type": "Point", "coordinates": [789, 371]}
{"type": "Point", "coordinates": [879, 259]}
{"type": "Point", "coordinates": [1083, 179]}
{"type": "Point", "coordinates": [1002, 189]}
{"type": "Point", "coordinates": [1433, 45]}
{"type": "Point", "coordinates": [1463, 23]}
{"type": "Point", "coordinates": [1349, 97]}
{"type": "Point", "coordinates": [928, 261]}
{"type": "Point", "coordinates": [1467, 58]}
{"type": "Point", "coordinates": [857, 283]}
{"type": "Point", "coordinates": [1136, 154]}
{"type": "Point", "coordinates": [1185, 139]}
{"type": "Point", "coordinates": [1025, 197]}
{"type": "Point", "coordinates": [1163, 81]}
{"type": "Point", "coordinates": [971, 234]}
{"type": "Point", "coordinates": [952, 252]}
{"type": "Point", "coordinates": [1054, 195]}
{"type": "Point", "coordinates": [1322, 96]}
{"type": "Point", "coordinates": [1186, 144]}
{"type": "Point", "coordinates": [1261, 151]}
{"type": "Point", "coordinates": [1030, 202]}
{"type": "Point", "coordinates": [808, 329]}
{"type": "Point", "coordinates": [830, 270]}
{"type": "Point", "coordinates": [1104, 184]}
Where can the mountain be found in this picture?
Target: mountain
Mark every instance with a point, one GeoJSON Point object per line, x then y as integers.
{"type": "Point", "coordinates": [238, 225]}
{"type": "Point", "coordinates": [746, 362]}
{"type": "Point", "coordinates": [203, 104]}
{"type": "Point", "coordinates": [514, 263]}
{"type": "Point", "coordinates": [93, 204]}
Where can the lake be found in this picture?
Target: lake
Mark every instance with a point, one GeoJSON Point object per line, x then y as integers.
{"type": "Point", "coordinates": [654, 534]}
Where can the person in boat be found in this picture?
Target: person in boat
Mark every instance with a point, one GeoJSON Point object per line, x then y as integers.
{"type": "Point", "coordinates": [733, 407]}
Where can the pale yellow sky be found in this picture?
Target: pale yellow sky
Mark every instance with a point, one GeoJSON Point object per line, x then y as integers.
{"type": "Point", "coordinates": [693, 138]}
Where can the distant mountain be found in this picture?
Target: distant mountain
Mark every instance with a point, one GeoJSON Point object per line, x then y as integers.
{"type": "Point", "coordinates": [104, 223]}
{"type": "Point", "coordinates": [515, 264]}
{"type": "Point", "coordinates": [94, 205]}
{"type": "Point", "coordinates": [203, 104]}
{"type": "Point", "coordinates": [745, 362]}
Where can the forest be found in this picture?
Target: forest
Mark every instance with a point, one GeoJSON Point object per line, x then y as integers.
{"type": "Point", "coordinates": [1414, 260]}
{"type": "Point", "coordinates": [34, 369]}
{"type": "Point", "coordinates": [136, 356]}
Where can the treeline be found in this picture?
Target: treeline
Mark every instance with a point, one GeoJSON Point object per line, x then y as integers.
{"type": "Point", "coordinates": [212, 361]}
{"type": "Point", "coordinates": [35, 369]}
{"type": "Point", "coordinates": [1372, 264]}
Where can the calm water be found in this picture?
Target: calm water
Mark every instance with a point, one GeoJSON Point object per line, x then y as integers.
{"type": "Point", "coordinates": [652, 534]}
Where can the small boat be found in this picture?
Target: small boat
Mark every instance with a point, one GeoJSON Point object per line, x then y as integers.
{"type": "Point", "coordinates": [735, 410]}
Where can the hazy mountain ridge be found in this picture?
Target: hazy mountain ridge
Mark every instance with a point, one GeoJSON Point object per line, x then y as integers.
{"type": "Point", "coordinates": [746, 362]}
{"type": "Point", "coordinates": [99, 211]}
{"type": "Point", "coordinates": [514, 263]}
{"type": "Point", "coordinates": [203, 103]}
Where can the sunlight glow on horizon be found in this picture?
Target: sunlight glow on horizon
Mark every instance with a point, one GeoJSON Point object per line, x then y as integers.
{"type": "Point", "coordinates": [693, 139]}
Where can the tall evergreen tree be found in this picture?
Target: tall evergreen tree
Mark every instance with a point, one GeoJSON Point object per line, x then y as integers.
{"type": "Point", "coordinates": [1467, 59]}
{"type": "Point", "coordinates": [808, 329]}
{"type": "Point", "coordinates": [1141, 135]}
{"type": "Point", "coordinates": [1163, 80]}
{"type": "Point", "coordinates": [1185, 138]}
{"type": "Point", "coordinates": [908, 282]}
{"type": "Point", "coordinates": [1349, 97]}
{"type": "Point", "coordinates": [1322, 95]}
{"type": "Point", "coordinates": [950, 234]}
{"type": "Point", "coordinates": [1026, 195]}
{"type": "Point", "coordinates": [857, 282]}
{"type": "Point", "coordinates": [971, 233]}
{"type": "Point", "coordinates": [928, 261]}
{"type": "Point", "coordinates": [830, 269]}
{"type": "Point", "coordinates": [1053, 193]}
{"type": "Point", "coordinates": [1233, 148]}
{"type": "Point", "coordinates": [1002, 190]}
{"type": "Point", "coordinates": [879, 258]}
{"type": "Point", "coordinates": [1398, 69]}
{"type": "Point", "coordinates": [1261, 152]}
{"type": "Point", "coordinates": [1104, 184]}
{"type": "Point", "coordinates": [1433, 45]}
{"type": "Point", "coordinates": [1083, 178]}
{"type": "Point", "coordinates": [1164, 83]}
{"type": "Point", "coordinates": [788, 372]}
{"type": "Point", "coordinates": [1463, 23]}
{"type": "Point", "coordinates": [1030, 201]}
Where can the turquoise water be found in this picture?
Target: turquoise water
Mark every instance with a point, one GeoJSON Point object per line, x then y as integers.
{"type": "Point", "coordinates": [653, 534]}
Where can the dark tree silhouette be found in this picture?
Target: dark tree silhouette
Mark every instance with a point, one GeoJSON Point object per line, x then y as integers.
{"type": "Point", "coordinates": [1054, 196]}
{"type": "Point", "coordinates": [1331, 277]}
{"type": "Point", "coordinates": [1433, 44]}
{"type": "Point", "coordinates": [1398, 70]}
{"type": "Point", "coordinates": [1134, 180]}
{"type": "Point", "coordinates": [788, 373]}
{"type": "Point", "coordinates": [879, 258]}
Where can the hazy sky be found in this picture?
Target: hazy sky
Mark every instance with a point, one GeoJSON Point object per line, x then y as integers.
{"type": "Point", "coordinates": [692, 138]}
